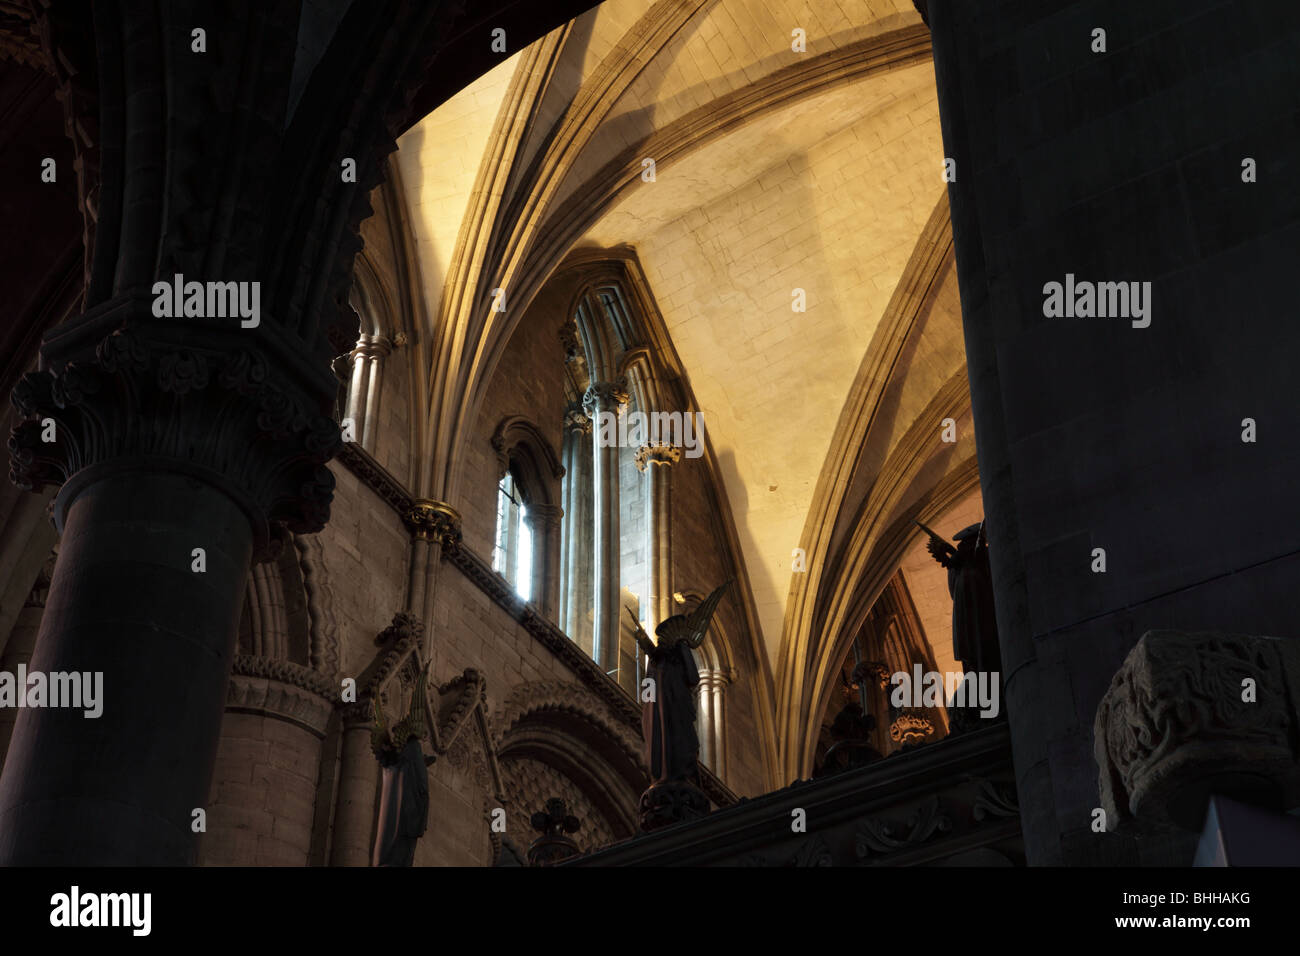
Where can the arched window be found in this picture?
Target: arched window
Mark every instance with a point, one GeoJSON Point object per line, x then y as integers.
{"type": "Point", "coordinates": [527, 548]}
{"type": "Point", "coordinates": [512, 556]}
{"type": "Point", "coordinates": [359, 373]}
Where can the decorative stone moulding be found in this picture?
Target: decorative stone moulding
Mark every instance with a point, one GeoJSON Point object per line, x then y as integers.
{"type": "Point", "coordinates": [281, 689]}
{"type": "Point", "coordinates": [1189, 715]}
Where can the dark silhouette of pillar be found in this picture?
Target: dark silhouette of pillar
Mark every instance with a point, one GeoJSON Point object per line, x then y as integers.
{"type": "Point", "coordinates": [184, 439]}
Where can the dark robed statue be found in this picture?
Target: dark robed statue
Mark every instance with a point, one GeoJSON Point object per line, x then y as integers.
{"type": "Point", "coordinates": [668, 720]}
{"type": "Point", "coordinates": [404, 798]}
{"type": "Point", "coordinates": [970, 583]}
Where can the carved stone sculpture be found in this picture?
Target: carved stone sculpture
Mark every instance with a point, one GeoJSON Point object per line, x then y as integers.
{"type": "Point", "coordinates": [404, 798]}
{"type": "Point", "coordinates": [974, 621]}
{"type": "Point", "coordinates": [554, 845]}
{"type": "Point", "coordinates": [668, 717]}
{"type": "Point", "coordinates": [970, 584]}
{"type": "Point", "coordinates": [1189, 715]}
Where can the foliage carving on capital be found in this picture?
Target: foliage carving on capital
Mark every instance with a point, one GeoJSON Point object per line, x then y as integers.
{"type": "Point", "coordinates": [657, 453]}
{"type": "Point", "coordinates": [218, 415]}
{"type": "Point", "coordinates": [1187, 712]}
{"type": "Point", "coordinates": [603, 396]}
{"type": "Point", "coordinates": [576, 419]}
{"type": "Point", "coordinates": [431, 520]}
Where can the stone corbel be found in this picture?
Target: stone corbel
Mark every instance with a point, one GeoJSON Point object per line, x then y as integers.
{"type": "Point", "coordinates": [1189, 715]}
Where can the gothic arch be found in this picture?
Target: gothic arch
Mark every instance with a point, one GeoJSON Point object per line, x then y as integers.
{"type": "Point", "coordinates": [878, 542]}
{"type": "Point", "coordinates": [849, 564]}
{"type": "Point", "coordinates": [533, 237]}
{"type": "Point", "coordinates": [521, 445]}
{"type": "Point", "coordinates": [564, 728]}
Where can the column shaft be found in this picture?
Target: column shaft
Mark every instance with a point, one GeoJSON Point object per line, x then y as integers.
{"type": "Point", "coordinates": [120, 789]}
{"type": "Point", "coordinates": [354, 815]}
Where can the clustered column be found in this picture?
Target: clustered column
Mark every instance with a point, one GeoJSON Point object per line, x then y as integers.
{"type": "Point", "coordinates": [713, 719]}
{"type": "Point", "coordinates": [605, 398]}
{"type": "Point", "coordinates": [434, 526]}
{"type": "Point", "coordinates": [544, 520]}
{"type": "Point", "coordinates": [579, 528]}
{"type": "Point", "coordinates": [363, 395]}
{"type": "Point", "coordinates": [658, 459]}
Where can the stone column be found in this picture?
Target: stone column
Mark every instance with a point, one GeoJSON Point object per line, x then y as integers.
{"type": "Point", "coordinates": [578, 527]}
{"type": "Point", "coordinates": [359, 775]}
{"type": "Point", "coordinates": [127, 606]}
{"type": "Point", "coordinates": [705, 728]}
{"type": "Point", "coordinates": [374, 349]}
{"type": "Point", "coordinates": [721, 678]}
{"type": "Point", "coordinates": [659, 459]}
{"type": "Point", "coordinates": [354, 815]}
{"type": "Point", "coordinates": [357, 391]}
{"type": "Point", "coordinates": [435, 527]}
{"type": "Point", "coordinates": [544, 520]}
{"type": "Point", "coordinates": [192, 400]}
{"type": "Point", "coordinates": [713, 719]}
{"type": "Point", "coordinates": [18, 651]}
{"type": "Point", "coordinates": [605, 398]}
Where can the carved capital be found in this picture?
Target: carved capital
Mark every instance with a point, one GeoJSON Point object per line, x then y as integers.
{"type": "Point", "coordinates": [605, 396]}
{"type": "Point", "coordinates": [545, 516]}
{"type": "Point", "coordinates": [658, 453]}
{"type": "Point", "coordinates": [405, 628]}
{"type": "Point", "coordinates": [1188, 715]}
{"type": "Point", "coordinates": [576, 419]}
{"type": "Point", "coordinates": [869, 671]}
{"type": "Point", "coordinates": [203, 400]}
{"type": "Point", "coordinates": [669, 802]}
{"type": "Point", "coordinates": [432, 520]}
{"type": "Point", "coordinates": [569, 341]}
{"type": "Point", "coordinates": [719, 677]}
{"type": "Point", "coordinates": [371, 346]}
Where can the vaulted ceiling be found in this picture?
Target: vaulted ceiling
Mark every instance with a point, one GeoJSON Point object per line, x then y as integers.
{"type": "Point", "coordinates": [775, 171]}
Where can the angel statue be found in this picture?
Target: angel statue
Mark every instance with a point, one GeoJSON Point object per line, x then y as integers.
{"type": "Point", "coordinates": [668, 718]}
{"type": "Point", "coordinates": [974, 625]}
{"type": "Point", "coordinates": [404, 798]}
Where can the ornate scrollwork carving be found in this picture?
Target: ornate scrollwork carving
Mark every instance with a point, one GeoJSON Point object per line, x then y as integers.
{"type": "Point", "coordinates": [911, 727]}
{"type": "Point", "coordinates": [877, 836]}
{"type": "Point", "coordinates": [995, 800]}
